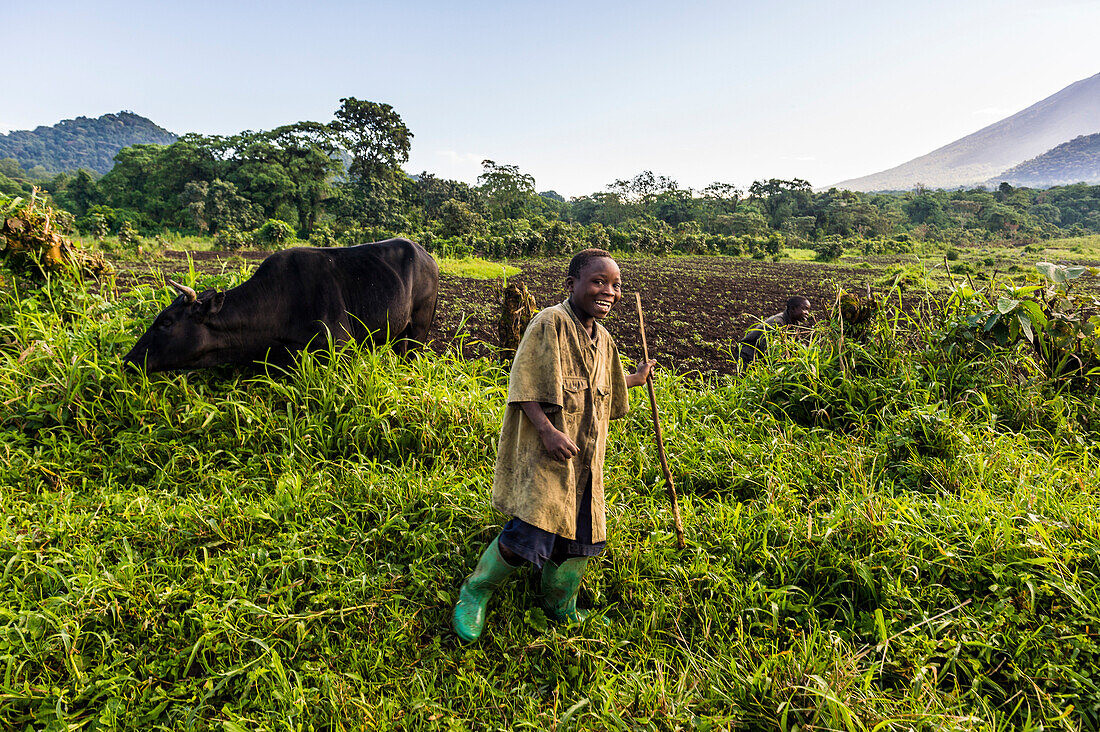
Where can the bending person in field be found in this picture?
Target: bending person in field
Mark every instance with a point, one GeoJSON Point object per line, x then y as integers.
{"type": "Point", "coordinates": [755, 342]}
{"type": "Point", "coordinates": [567, 383]}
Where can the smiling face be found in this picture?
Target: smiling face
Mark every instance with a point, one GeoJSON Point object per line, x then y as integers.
{"type": "Point", "coordinates": [595, 291]}
{"type": "Point", "coordinates": [799, 312]}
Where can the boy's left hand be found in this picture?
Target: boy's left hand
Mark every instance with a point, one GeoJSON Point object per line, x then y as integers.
{"type": "Point", "coordinates": [645, 368]}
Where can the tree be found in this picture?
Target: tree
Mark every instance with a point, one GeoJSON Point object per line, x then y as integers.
{"type": "Point", "coordinates": [79, 193]}
{"type": "Point", "coordinates": [458, 219]}
{"type": "Point", "coordinates": [260, 175]}
{"type": "Point", "coordinates": [507, 190]}
{"type": "Point", "coordinates": [926, 208]}
{"type": "Point", "coordinates": [674, 206]}
{"type": "Point", "coordinates": [217, 205]}
{"type": "Point", "coordinates": [606, 209]}
{"type": "Point", "coordinates": [134, 183]}
{"type": "Point", "coordinates": [434, 192]}
{"type": "Point", "coordinates": [643, 187]}
{"type": "Point", "coordinates": [309, 157]}
{"type": "Point", "coordinates": [10, 168]}
{"type": "Point", "coordinates": [783, 199]}
{"type": "Point", "coordinates": [721, 199]}
{"type": "Point", "coordinates": [377, 140]}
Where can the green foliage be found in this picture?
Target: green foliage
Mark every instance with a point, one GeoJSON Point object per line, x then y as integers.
{"type": "Point", "coordinates": [904, 277]}
{"type": "Point", "coordinates": [773, 245]}
{"type": "Point", "coordinates": [296, 173]}
{"type": "Point", "coordinates": [99, 221]}
{"type": "Point", "coordinates": [273, 234]}
{"type": "Point", "coordinates": [829, 249]}
{"type": "Point", "coordinates": [322, 236]}
{"type": "Point", "coordinates": [97, 225]}
{"type": "Point", "coordinates": [458, 219]}
{"type": "Point", "coordinates": [14, 181]}
{"type": "Point", "coordinates": [128, 236]}
{"type": "Point", "coordinates": [509, 193]}
{"type": "Point", "coordinates": [375, 137]}
{"type": "Point", "coordinates": [230, 237]}
{"type": "Point", "coordinates": [1056, 321]}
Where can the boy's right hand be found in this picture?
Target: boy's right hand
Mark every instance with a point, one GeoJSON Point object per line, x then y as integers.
{"type": "Point", "coordinates": [558, 444]}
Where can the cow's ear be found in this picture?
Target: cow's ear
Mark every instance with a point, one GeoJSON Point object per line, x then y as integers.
{"type": "Point", "coordinates": [208, 306]}
{"type": "Point", "coordinates": [214, 305]}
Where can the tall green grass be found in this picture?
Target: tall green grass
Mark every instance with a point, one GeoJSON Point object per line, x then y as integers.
{"type": "Point", "coordinates": [879, 538]}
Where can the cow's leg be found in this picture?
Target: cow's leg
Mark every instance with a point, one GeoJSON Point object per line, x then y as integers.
{"type": "Point", "coordinates": [420, 321]}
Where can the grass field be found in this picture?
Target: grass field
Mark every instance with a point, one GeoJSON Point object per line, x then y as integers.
{"type": "Point", "coordinates": [881, 536]}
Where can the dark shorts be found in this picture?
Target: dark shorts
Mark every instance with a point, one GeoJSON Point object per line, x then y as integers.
{"type": "Point", "coordinates": [538, 546]}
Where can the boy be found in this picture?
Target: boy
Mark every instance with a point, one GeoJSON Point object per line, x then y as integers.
{"type": "Point", "coordinates": [566, 384]}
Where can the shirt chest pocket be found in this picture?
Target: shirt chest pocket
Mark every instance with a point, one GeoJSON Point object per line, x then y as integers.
{"type": "Point", "coordinates": [574, 394]}
{"type": "Point", "coordinates": [602, 397]}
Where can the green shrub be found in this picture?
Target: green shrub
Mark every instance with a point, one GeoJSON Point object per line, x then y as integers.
{"type": "Point", "coordinates": [230, 238]}
{"type": "Point", "coordinates": [458, 219]}
{"type": "Point", "coordinates": [273, 234]}
{"type": "Point", "coordinates": [829, 249]}
{"type": "Point", "coordinates": [127, 236]}
{"type": "Point", "coordinates": [773, 245]}
{"type": "Point", "coordinates": [322, 236]}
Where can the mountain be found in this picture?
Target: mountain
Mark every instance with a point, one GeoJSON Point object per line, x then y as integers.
{"type": "Point", "coordinates": [1076, 161]}
{"type": "Point", "coordinates": [81, 142]}
{"type": "Point", "coordinates": [977, 158]}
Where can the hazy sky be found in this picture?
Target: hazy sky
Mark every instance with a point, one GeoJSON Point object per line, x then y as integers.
{"type": "Point", "coordinates": [575, 93]}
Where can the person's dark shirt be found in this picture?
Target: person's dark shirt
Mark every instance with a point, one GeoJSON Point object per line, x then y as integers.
{"type": "Point", "coordinates": [755, 341]}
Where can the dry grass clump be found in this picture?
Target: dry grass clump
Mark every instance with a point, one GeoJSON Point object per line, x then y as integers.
{"type": "Point", "coordinates": [33, 240]}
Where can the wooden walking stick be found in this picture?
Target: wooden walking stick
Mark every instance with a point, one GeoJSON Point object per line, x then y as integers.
{"type": "Point", "coordinates": [657, 431]}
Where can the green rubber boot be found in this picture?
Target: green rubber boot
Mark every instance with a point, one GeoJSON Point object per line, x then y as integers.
{"type": "Point", "coordinates": [560, 585]}
{"type": "Point", "coordinates": [469, 615]}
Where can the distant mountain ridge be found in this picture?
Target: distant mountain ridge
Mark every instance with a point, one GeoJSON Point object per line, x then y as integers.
{"type": "Point", "coordinates": [1076, 161]}
{"type": "Point", "coordinates": [82, 142]}
{"type": "Point", "coordinates": [982, 156]}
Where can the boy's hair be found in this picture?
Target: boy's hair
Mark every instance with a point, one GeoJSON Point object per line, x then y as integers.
{"type": "Point", "coordinates": [581, 259]}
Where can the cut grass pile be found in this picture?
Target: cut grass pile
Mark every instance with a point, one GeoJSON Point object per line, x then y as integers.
{"type": "Point", "coordinates": [879, 539]}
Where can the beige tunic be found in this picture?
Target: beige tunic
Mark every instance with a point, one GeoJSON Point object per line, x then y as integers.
{"type": "Point", "coordinates": [580, 383]}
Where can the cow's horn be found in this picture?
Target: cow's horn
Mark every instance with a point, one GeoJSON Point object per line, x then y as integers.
{"type": "Point", "coordinates": [185, 290]}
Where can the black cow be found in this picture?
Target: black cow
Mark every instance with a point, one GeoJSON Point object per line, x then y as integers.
{"type": "Point", "coordinates": [294, 300]}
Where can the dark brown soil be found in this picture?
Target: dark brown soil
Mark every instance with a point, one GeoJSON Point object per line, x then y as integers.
{"type": "Point", "coordinates": [695, 308]}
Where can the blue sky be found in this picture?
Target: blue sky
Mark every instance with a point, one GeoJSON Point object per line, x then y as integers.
{"type": "Point", "coordinates": [575, 93]}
